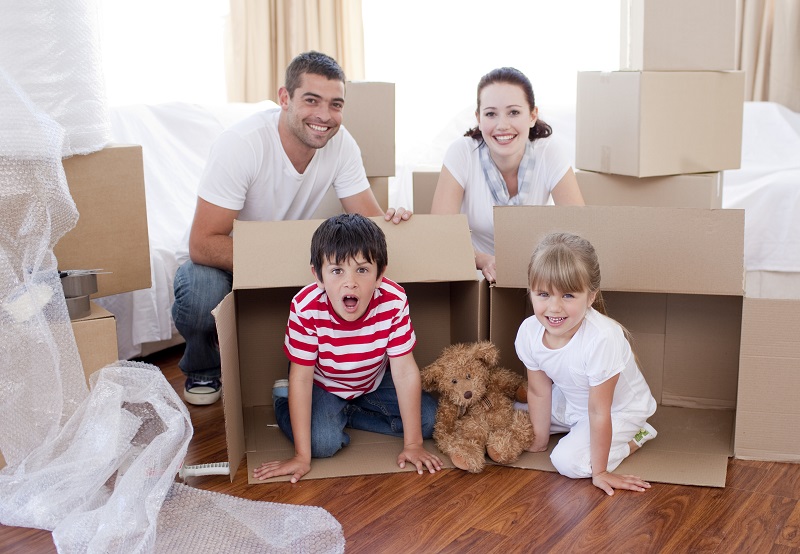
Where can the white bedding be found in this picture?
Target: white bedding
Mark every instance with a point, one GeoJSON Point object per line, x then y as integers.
{"type": "Point", "coordinates": [176, 138]}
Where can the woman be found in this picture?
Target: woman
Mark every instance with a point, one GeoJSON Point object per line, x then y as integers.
{"type": "Point", "coordinates": [507, 160]}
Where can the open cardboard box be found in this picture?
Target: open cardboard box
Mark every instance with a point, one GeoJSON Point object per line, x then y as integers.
{"type": "Point", "coordinates": [431, 256]}
{"type": "Point", "coordinates": [714, 359]}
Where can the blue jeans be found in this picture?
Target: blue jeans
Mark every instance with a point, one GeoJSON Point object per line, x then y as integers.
{"type": "Point", "coordinates": [198, 290]}
{"type": "Point", "coordinates": [378, 411]}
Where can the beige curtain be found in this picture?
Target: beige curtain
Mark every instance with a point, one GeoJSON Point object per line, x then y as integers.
{"type": "Point", "coordinates": [768, 50]}
{"type": "Point", "coordinates": [264, 36]}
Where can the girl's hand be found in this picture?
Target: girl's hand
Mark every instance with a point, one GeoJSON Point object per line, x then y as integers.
{"type": "Point", "coordinates": [535, 447]}
{"type": "Point", "coordinates": [420, 457]}
{"type": "Point", "coordinates": [610, 481]}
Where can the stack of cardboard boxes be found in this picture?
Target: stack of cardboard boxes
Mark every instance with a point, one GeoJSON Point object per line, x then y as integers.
{"type": "Point", "coordinates": [369, 116]}
{"type": "Point", "coordinates": [659, 131]}
{"type": "Point", "coordinates": [111, 235]}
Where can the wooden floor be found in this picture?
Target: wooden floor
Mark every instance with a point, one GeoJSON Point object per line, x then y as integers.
{"type": "Point", "coordinates": [509, 510]}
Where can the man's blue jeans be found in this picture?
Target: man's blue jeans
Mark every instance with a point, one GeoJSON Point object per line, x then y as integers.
{"type": "Point", "coordinates": [198, 290]}
{"type": "Point", "coordinates": [378, 411]}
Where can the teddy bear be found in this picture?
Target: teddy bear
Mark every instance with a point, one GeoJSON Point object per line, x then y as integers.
{"type": "Point", "coordinates": [476, 414]}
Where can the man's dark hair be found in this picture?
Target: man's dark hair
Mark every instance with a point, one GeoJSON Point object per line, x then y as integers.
{"type": "Point", "coordinates": [347, 236]}
{"type": "Point", "coordinates": [313, 62]}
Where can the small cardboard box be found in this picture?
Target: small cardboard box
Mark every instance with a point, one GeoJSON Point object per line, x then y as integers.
{"type": "Point", "coordinates": [96, 338]}
{"type": "Point", "coordinates": [674, 278]}
{"type": "Point", "coordinates": [111, 234]}
{"type": "Point", "coordinates": [650, 123]}
{"type": "Point", "coordinates": [424, 183]}
{"type": "Point", "coordinates": [677, 35]}
{"type": "Point", "coordinates": [693, 190]}
{"type": "Point", "coordinates": [369, 116]}
{"type": "Point", "coordinates": [431, 256]}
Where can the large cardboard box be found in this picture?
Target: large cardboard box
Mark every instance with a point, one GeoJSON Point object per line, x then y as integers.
{"type": "Point", "coordinates": [424, 186]}
{"type": "Point", "coordinates": [431, 256]}
{"type": "Point", "coordinates": [714, 359]}
{"type": "Point", "coordinates": [369, 116]}
{"type": "Point", "coordinates": [111, 234]}
{"type": "Point", "coordinates": [96, 338]}
{"type": "Point", "coordinates": [651, 123]}
{"type": "Point", "coordinates": [693, 190]}
{"type": "Point", "coordinates": [678, 35]}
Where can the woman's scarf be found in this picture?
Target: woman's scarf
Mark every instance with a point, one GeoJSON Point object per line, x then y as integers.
{"type": "Point", "coordinates": [497, 185]}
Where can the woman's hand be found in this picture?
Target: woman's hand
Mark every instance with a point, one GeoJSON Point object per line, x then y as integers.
{"type": "Point", "coordinates": [485, 263]}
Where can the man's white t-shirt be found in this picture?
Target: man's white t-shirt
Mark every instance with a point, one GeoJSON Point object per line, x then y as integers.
{"type": "Point", "coordinates": [462, 160]}
{"type": "Point", "coordinates": [248, 171]}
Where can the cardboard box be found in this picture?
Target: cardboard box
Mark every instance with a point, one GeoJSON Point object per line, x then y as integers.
{"type": "Point", "coordinates": [424, 186]}
{"type": "Point", "coordinates": [431, 256]}
{"type": "Point", "coordinates": [331, 205]}
{"type": "Point", "coordinates": [693, 190]}
{"type": "Point", "coordinates": [649, 123]}
{"type": "Point", "coordinates": [369, 116]}
{"type": "Point", "coordinates": [673, 277]}
{"type": "Point", "coordinates": [96, 338]}
{"type": "Point", "coordinates": [678, 35]}
{"type": "Point", "coordinates": [111, 234]}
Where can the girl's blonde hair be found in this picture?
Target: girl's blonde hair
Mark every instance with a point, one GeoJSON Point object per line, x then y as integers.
{"type": "Point", "coordinates": [568, 263]}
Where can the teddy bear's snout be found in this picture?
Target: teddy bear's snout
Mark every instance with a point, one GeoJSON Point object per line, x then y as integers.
{"type": "Point", "coordinates": [468, 394]}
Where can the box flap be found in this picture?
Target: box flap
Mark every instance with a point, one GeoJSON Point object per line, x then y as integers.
{"type": "Point", "coordinates": [701, 253]}
{"type": "Point", "coordinates": [225, 316]}
{"type": "Point", "coordinates": [692, 448]}
{"type": "Point", "coordinates": [426, 248]}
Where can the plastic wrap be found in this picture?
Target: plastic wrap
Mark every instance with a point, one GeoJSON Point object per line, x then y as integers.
{"type": "Point", "coordinates": [51, 48]}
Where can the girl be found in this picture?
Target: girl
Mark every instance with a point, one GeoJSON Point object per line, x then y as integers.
{"type": "Point", "coordinates": [583, 377]}
{"type": "Point", "coordinates": [508, 159]}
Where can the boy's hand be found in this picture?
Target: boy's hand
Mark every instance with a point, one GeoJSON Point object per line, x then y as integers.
{"type": "Point", "coordinates": [296, 467]}
{"type": "Point", "coordinates": [610, 481]}
{"type": "Point", "coordinates": [420, 457]}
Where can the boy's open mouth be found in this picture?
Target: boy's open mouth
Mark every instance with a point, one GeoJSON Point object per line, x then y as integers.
{"type": "Point", "coordinates": [350, 302]}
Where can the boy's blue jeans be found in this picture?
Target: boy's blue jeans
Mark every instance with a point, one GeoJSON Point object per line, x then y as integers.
{"type": "Point", "coordinates": [198, 290]}
{"type": "Point", "coordinates": [378, 411]}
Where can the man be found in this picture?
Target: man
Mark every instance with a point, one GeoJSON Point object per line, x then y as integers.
{"type": "Point", "coordinates": [274, 165]}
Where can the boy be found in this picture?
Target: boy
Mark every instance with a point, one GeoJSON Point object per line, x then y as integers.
{"type": "Point", "coordinates": [343, 332]}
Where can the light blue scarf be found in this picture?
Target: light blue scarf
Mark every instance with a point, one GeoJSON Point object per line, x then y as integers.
{"type": "Point", "coordinates": [497, 185]}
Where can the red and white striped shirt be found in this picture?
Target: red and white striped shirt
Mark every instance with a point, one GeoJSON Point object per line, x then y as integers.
{"type": "Point", "coordinates": [350, 357]}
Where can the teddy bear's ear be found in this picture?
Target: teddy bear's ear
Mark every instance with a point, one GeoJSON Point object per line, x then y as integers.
{"type": "Point", "coordinates": [486, 352]}
{"type": "Point", "coordinates": [430, 377]}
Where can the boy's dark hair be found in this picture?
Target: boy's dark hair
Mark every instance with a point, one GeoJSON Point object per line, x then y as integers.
{"type": "Point", "coordinates": [312, 62]}
{"type": "Point", "coordinates": [347, 236]}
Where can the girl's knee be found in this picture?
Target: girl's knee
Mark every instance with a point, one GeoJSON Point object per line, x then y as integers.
{"type": "Point", "coordinates": [570, 464]}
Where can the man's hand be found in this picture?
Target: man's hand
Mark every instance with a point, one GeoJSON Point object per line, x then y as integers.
{"type": "Point", "coordinates": [396, 215]}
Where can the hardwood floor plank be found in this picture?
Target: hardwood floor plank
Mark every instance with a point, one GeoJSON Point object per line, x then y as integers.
{"type": "Point", "coordinates": [759, 525]}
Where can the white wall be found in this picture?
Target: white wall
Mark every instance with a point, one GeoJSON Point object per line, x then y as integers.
{"type": "Point", "coordinates": [164, 50]}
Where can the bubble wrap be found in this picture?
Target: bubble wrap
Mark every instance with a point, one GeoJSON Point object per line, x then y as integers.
{"type": "Point", "coordinates": [198, 521]}
{"type": "Point", "coordinates": [37, 210]}
{"type": "Point", "coordinates": [51, 48]}
{"type": "Point", "coordinates": [95, 467]}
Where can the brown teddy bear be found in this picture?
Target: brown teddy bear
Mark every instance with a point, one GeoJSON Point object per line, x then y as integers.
{"type": "Point", "coordinates": [476, 412]}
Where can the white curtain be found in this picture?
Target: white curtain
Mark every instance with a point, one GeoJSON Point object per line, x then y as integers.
{"type": "Point", "coordinates": [265, 35]}
{"type": "Point", "coordinates": [769, 50]}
